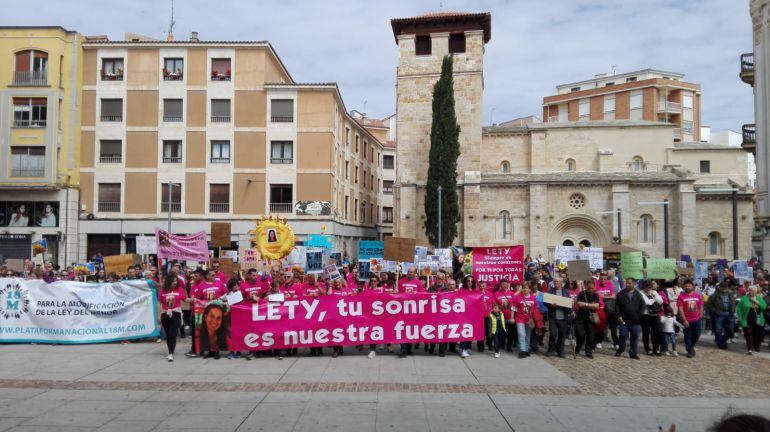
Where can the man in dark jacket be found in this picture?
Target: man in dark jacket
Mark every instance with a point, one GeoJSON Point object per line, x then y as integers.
{"type": "Point", "coordinates": [629, 307]}
{"type": "Point", "coordinates": [721, 307]}
{"type": "Point", "coordinates": [559, 320]}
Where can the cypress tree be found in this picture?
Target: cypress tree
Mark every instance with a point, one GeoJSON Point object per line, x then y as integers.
{"type": "Point", "coordinates": [442, 169]}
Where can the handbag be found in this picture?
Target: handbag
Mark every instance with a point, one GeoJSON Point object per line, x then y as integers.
{"type": "Point", "coordinates": [593, 317]}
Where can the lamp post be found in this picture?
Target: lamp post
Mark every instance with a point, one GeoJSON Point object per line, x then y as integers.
{"type": "Point", "coordinates": [734, 193]}
{"type": "Point", "coordinates": [665, 204]}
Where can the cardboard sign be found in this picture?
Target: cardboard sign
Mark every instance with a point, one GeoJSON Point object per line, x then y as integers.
{"type": "Point", "coordinates": [220, 234]}
{"type": "Point", "coordinates": [232, 254]}
{"type": "Point", "coordinates": [146, 245]}
{"type": "Point", "coordinates": [250, 258]}
{"type": "Point", "coordinates": [632, 265]}
{"type": "Point", "coordinates": [119, 264]}
{"type": "Point", "coordinates": [661, 268]}
{"type": "Point", "coordinates": [579, 270]}
{"type": "Point", "coordinates": [228, 267]}
{"type": "Point", "coordinates": [399, 249]}
{"type": "Point", "coordinates": [686, 268]}
{"type": "Point", "coordinates": [14, 264]}
{"type": "Point", "coordinates": [557, 300]}
{"type": "Point", "coordinates": [493, 264]}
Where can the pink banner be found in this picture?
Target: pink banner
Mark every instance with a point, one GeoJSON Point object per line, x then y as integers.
{"type": "Point", "coordinates": [193, 247]}
{"type": "Point", "coordinates": [366, 318]}
{"type": "Point", "coordinates": [493, 264]}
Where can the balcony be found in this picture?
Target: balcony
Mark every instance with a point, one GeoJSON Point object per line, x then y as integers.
{"type": "Point", "coordinates": [282, 160]}
{"type": "Point", "coordinates": [276, 119]}
{"type": "Point", "coordinates": [219, 207]}
{"type": "Point", "coordinates": [217, 76]}
{"type": "Point", "coordinates": [669, 107]}
{"type": "Point", "coordinates": [747, 68]}
{"type": "Point", "coordinates": [110, 159]}
{"type": "Point", "coordinates": [220, 160]}
{"type": "Point", "coordinates": [27, 172]}
{"type": "Point", "coordinates": [109, 207]}
{"type": "Point", "coordinates": [220, 119]}
{"type": "Point", "coordinates": [29, 123]}
{"type": "Point", "coordinates": [172, 76]}
{"type": "Point", "coordinates": [553, 119]}
{"type": "Point", "coordinates": [281, 208]}
{"type": "Point", "coordinates": [112, 118]}
{"type": "Point", "coordinates": [30, 78]}
{"type": "Point", "coordinates": [176, 207]}
{"type": "Point", "coordinates": [173, 119]}
{"type": "Point", "coordinates": [172, 159]}
{"type": "Point", "coordinates": [749, 138]}
{"type": "Point", "coordinates": [112, 76]}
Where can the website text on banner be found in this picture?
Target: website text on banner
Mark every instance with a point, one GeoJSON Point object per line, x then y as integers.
{"type": "Point", "coordinates": [367, 318]}
{"type": "Point", "coordinates": [193, 247]}
{"type": "Point", "coordinates": [76, 312]}
{"type": "Point", "coordinates": [493, 264]}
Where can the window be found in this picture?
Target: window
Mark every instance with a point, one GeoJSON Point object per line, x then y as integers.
{"type": "Point", "coordinates": [30, 112]}
{"type": "Point", "coordinates": [584, 109]}
{"type": "Point", "coordinates": [27, 161]}
{"type": "Point", "coordinates": [112, 110]}
{"type": "Point", "coordinates": [568, 242]}
{"type": "Point", "coordinates": [109, 197]}
{"type": "Point", "coordinates": [364, 179]}
{"type": "Point", "coordinates": [347, 206]}
{"type": "Point", "coordinates": [387, 214]}
{"type": "Point", "coordinates": [687, 100]}
{"type": "Point", "coordinates": [110, 151]}
{"type": "Point", "coordinates": [637, 164]}
{"type": "Point", "coordinates": [112, 69]}
{"type": "Point", "coordinates": [713, 243]}
{"type": "Point", "coordinates": [574, 89]}
{"type": "Point", "coordinates": [281, 198]}
{"type": "Point", "coordinates": [387, 187]}
{"type": "Point", "coordinates": [172, 151]}
{"type": "Point", "coordinates": [172, 110]}
{"type": "Point", "coordinates": [505, 167]}
{"type": "Point", "coordinates": [366, 147]}
{"type": "Point", "coordinates": [220, 152]}
{"type": "Point", "coordinates": [388, 162]}
{"type": "Point", "coordinates": [356, 143]}
{"type": "Point", "coordinates": [173, 69]}
{"type": "Point", "coordinates": [219, 198]}
{"type": "Point", "coordinates": [705, 167]}
{"type": "Point", "coordinates": [347, 170]}
{"type": "Point", "coordinates": [281, 110]}
{"type": "Point", "coordinates": [577, 201]}
{"type": "Point", "coordinates": [31, 68]}
{"type": "Point", "coordinates": [371, 182]}
{"type": "Point", "coordinates": [356, 178]}
{"type": "Point", "coordinates": [609, 104]}
{"type": "Point", "coordinates": [355, 209]}
{"type": "Point", "coordinates": [571, 165]}
{"type": "Point", "coordinates": [422, 45]}
{"type": "Point", "coordinates": [609, 84]}
{"type": "Point", "coordinates": [347, 136]}
{"type": "Point", "coordinates": [687, 127]}
{"type": "Point", "coordinates": [647, 228]}
{"type": "Point", "coordinates": [504, 225]}
{"type": "Point", "coordinates": [585, 243]}
{"type": "Point", "coordinates": [631, 79]}
{"type": "Point", "coordinates": [220, 110]}
{"type": "Point", "coordinates": [636, 100]}
{"type": "Point", "coordinates": [220, 69]}
{"type": "Point", "coordinates": [176, 198]}
{"type": "Point", "coordinates": [363, 212]}
{"type": "Point", "coordinates": [457, 43]}
{"type": "Point", "coordinates": [281, 152]}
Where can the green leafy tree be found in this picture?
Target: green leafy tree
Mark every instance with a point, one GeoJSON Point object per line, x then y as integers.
{"type": "Point", "coordinates": [442, 169]}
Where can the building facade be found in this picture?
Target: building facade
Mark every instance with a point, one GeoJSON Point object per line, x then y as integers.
{"type": "Point", "coordinates": [569, 180]}
{"type": "Point", "coordinates": [216, 131]}
{"type": "Point", "coordinates": [39, 141]}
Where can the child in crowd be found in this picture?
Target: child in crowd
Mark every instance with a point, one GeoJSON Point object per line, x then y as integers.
{"type": "Point", "coordinates": [497, 330]}
{"type": "Point", "coordinates": [668, 323]}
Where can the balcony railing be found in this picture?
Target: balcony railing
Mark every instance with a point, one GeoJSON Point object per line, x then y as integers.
{"type": "Point", "coordinates": [110, 159]}
{"type": "Point", "coordinates": [172, 159]}
{"type": "Point", "coordinates": [276, 119]}
{"type": "Point", "coordinates": [281, 208]}
{"type": "Point", "coordinates": [387, 191]}
{"type": "Point", "coordinates": [553, 119]}
{"type": "Point", "coordinates": [669, 107]}
{"type": "Point", "coordinates": [175, 207]}
{"type": "Point", "coordinates": [749, 138]}
{"type": "Point", "coordinates": [29, 123]}
{"type": "Point", "coordinates": [219, 207]}
{"type": "Point", "coordinates": [112, 118]}
{"type": "Point", "coordinates": [220, 160]}
{"type": "Point", "coordinates": [220, 119]}
{"type": "Point", "coordinates": [27, 172]}
{"type": "Point", "coordinates": [109, 207]}
{"type": "Point", "coordinates": [281, 160]}
{"type": "Point", "coordinates": [219, 77]}
{"type": "Point", "coordinates": [173, 77]}
{"type": "Point", "coordinates": [172, 119]}
{"type": "Point", "coordinates": [30, 78]}
{"type": "Point", "coordinates": [118, 76]}
{"type": "Point", "coordinates": [747, 68]}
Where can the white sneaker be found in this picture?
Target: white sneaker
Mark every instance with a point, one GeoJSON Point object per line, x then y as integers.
{"type": "Point", "coordinates": [731, 341]}
{"type": "Point", "coordinates": [170, 357]}
{"type": "Point", "coordinates": [599, 345]}
{"type": "Point", "coordinates": [676, 354]}
{"type": "Point", "coordinates": [371, 354]}
{"type": "Point", "coordinates": [497, 355]}
{"type": "Point", "coordinates": [465, 354]}
{"type": "Point", "coordinates": [159, 340]}
{"type": "Point", "coordinates": [750, 352]}
{"type": "Point", "coordinates": [617, 347]}
{"type": "Point", "coordinates": [566, 342]}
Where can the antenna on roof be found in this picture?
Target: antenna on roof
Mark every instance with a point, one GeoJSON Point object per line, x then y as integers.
{"type": "Point", "coordinates": [364, 113]}
{"type": "Point", "coordinates": [170, 36]}
{"type": "Point", "coordinates": [613, 69]}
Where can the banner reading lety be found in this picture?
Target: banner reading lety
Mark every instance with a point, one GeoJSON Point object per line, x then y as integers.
{"type": "Point", "coordinates": [171, 246]}
{"type": "Point", "coordinates": [493, 264]}
{"type": "Point", "coordinates": [366, 318]}
{"type": "Point", "coordinates": [75, 312]}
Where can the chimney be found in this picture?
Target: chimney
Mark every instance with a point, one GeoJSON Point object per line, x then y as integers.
{"type": "Point", "coordinates": [194, 37]}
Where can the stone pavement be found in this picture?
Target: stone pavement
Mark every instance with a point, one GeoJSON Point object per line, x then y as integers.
{"type": "Point", "coordinates": [132, 388]}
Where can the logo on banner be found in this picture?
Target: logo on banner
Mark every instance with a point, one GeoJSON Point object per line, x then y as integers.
{"type": "Point", "coordinates": [14, 302]}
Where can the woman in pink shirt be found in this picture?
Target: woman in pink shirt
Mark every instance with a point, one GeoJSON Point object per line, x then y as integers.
{"type": "Point", "coordinates": [504, 297]}
{"type": "Point", "coordinates": [170, 298]}
{"type": "Point", "coordinates": [526, 316]}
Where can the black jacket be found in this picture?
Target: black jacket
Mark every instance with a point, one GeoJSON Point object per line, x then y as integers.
{"type": "Point", "coordinates": [630, 309]}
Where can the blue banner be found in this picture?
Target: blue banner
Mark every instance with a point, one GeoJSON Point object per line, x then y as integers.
{"type": "Point", "coordinates": [368, 249]}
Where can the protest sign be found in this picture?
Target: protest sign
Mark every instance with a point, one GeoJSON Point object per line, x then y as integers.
{"type": "Point", "coordinates": [420, 253]}
{"type": "Point", "coordinates": [427, 268]}
{"type": "Point", "coordinates": [178, 247]}
{"type": "Point", "coordinates": [14, 264]}
{"type": "Point", "coordinates": [594, 255]}
{"type": "Point", "coordinates": [741, 269]}
{"type": "Point", "coordinates": [220, 234]}
{"type": "Point", "coordinates": [335, 258]}
{"type": "Point", "coordinates": [211, 330]}
{"type": "Point", "coordinates": [376, 265]}
{"type": "Point", "coordinates": [685, 268]}
{"type": "Point", "coordinates": [314, 261]}
{"type": "Point", "coordinates": [368, 249]}
{"type": "Point", "coordinates": [331, 273]}
{"type": "Point", "coordinates": [364, 269]}
{"type": "Point", "coordinates": [661, 268]}
{"type": "Point", "coordinates": [367, 318]}
{"type": "Point", "coordinates": [119, 264]}
{"type": "Point", "coordinates": [72, 312]}
{"type": "Point", "coordinates": [250, 258]}
{"type": "Point", "coordinates": [632, 265]}
{"type": "Point", "coordinates": [323, 241]}
{"type": "Point", "coordinates": [701, 269]}
{"type": "Point", "coordinates": [234, 297]}
{"type": "Point", "coordinates": [493, 264]}
{"type": "Point", "coordinates": [146, 245]}
{"type": "Point", "coordinates": [398, 249]}
{"type": "Point", "coordinates": [579, 270]}
{"type": "Point", "coordinates": [84, 269]}
{"type": "Point", "coordinates": [557, 300]}
{"type": "Point", "coordinates": [228, 267]}
{"type": "Point", "coordinates": [444, 257]}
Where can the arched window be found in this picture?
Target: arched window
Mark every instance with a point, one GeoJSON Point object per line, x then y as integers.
{"type": "Point", "coordinates": [571, 166]}
{"type": "Point", "coordinates": [637, 163]}
{"type": "Point", "coordinates": [585, 243]}
{"type": "Point", "coordinates": [568, 242]}
{"type": "Point", "coordinates": [505, 225]}
{"type": "Point", "coordinates": [646, 228]}
{"type": "Point", "coordinates": [30, 67]}
{"type": "Point", "coordinates": [713, 243]}
{"type": "Point", "coordinates": [505, 167]}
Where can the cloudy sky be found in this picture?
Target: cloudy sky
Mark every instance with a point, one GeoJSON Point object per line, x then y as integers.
{"type": "Point", "coordinates": [536, 44]}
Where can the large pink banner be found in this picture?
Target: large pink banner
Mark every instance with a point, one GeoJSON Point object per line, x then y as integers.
{"type": "Point", "coordinates": [366, 318]}
{"type": "Point", "coordinates": [171, 246]}
{"type": "Point", "coordinates": [493, 264]}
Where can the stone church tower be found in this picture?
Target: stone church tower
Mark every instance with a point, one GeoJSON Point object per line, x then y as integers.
{"type": "Point", "coordinates": [423, 41]}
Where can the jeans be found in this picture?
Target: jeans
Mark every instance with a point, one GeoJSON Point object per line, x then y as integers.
{"type": "Point", "coordinates": [664, 341]}
{"type": "Point", "coordinates": [724, 328]}
{"type": "Point", "coordinates": [625, 329]}
{"type": "Point", "coordinates": [524, 333]}
{"type": "Point", "coordinates": [691, 336]}
{"type": "Point", "coordinates": [557, 332]}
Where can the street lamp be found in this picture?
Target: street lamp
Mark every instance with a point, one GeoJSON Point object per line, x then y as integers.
{"type": "Point", "coordinates": [665, 221]}
{"type": "Point", "coordinates": [619, 212]}
{"type": "Point", "coordinates": [734, 192]}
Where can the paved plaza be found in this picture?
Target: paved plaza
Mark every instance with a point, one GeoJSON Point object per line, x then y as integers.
{"type": "Point", "coordinates": [131, 387]}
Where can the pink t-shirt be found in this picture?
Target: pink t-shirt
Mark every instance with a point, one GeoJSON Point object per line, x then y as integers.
{"type": "Point", "coordinates": [389, 288]}
{"type": "Point", "coordinates": [209, 291]}
{"type": "Point", "coordinates": [221, 278]}
{"type": "Point", "coordinates": [488, 299]}
{"type": "Point", "coordinates": [690, 305]}
{"type": "Point", "coordinates": [407, 286]}
{"type": "Point", "coordinates": [343, 291]}
{"type": "Point", "coordinates": [316, 290]}
{"type": "Point", "coordinates": [172, 299]}
{"type": "Point", "coordinates": [378, 288]}
{"type": "Point", "coordinates": [292, 291]}
{"type": "Point", "coordinates": [505, 300]}
{"type": "Point", "coordinates": [524, 306]}
{"type": "Point", "coordinates": [604, 288]}
{"type": "Point", "coordinates": [251, 291]}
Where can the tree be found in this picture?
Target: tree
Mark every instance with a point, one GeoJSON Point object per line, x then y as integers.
{"type": "Point", "coordinates": [442, 168]}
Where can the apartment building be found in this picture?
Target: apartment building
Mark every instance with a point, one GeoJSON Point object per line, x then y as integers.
{"type": "Point", "coordinates": [648, 94]}
{"type": "Point", "coordinates": [216, 131]}
{"type": "Point", "coordinates": [39, 143]}
{"type": "Point", "coordinates": [385, 131]}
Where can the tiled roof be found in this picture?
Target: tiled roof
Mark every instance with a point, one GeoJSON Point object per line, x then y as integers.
{"type": "Point", "coordinates": [389, 144]}
{"type": "Point", "coordinates": [438, 20]}
{"type": "Point", "coordinates": [174, 42]}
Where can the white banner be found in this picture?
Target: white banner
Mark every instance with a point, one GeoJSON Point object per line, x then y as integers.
{"type": "Point", "coordinates": [76, 312]}
{"type": "Point", "coordinates": [146, 245]}
{"type": "Point", "coordinates": [595, 255]}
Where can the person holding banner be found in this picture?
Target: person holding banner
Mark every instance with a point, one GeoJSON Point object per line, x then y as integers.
{"type": "Point", "coordinates": [588, 302]}
{"type": "Point", "coordinates": [251, 288]}
{"type": "Point", "coordinates": [386, 282]}
{"type": "Point", "coordinates": [170, 297]}
{"type": "Point", "coordinates": [409, 284]}
{"type": "Point", "coordinates": [337, 289]}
